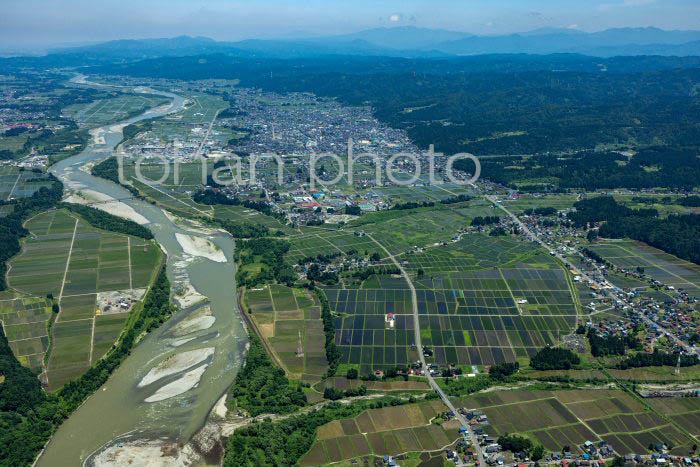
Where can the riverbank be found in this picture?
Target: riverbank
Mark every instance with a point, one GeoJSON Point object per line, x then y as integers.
{"type": "Point", "coordinates": [106, 203]}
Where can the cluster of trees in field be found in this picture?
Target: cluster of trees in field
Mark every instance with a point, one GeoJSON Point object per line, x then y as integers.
{"type": "Point", "coordinates": [503, 370]}
{"type": "Point", "coordinates": [11, 229]}
{"type": "Point", "coordinates": [656, 358]}
{"type": "Point", "coordinates": [314, 274]}
{"type": "Point", "coordinates": [515, 443]}
{"type": "Point", "coordinates": [364, 274]}
{"type": "Point", "coordinates": [678, 234]}
{"type": "Point", "coordinates": [412, 205]}
{"type": "Point", "coordinates": [335, 394]}
{"type": "Point", "coordinates": [106, 221]}
{"type": "Point", "coordinates": [690, 201]}
{"type": "Point", "coordinates": [485, 220]}
{"type": "Point", "coordinates": [239, 229]}
{"type": "Point", "coordinates": [263, 388]}
{"type": "Point", "coordinates": [594, 256]}
{"type": "Point", "coordinates": [611, 345]}
{"type": "Point", "coordinates": [134, 129]}
{"type": "Point", "coordinates": [29, 416]}
{"type": "Point", "coordinates": [543, 211]}
{"type": "Point", "coordinates": [456, 199]}
{"type": "Point", "coordinates": [554, 358]}
{"type": "Point", "coordinates": [269, 252]}
{"type": "Point", "coordinates": [464, 386]}
{"type": "Point", "coordinates": [211, 198]}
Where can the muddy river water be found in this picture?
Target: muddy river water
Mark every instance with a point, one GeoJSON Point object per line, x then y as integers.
{"type": "Point", "coordinates": [190, 361]}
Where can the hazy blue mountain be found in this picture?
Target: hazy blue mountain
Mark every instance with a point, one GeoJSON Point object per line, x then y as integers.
{"type": "Point", "coordinates": [622, 41]}
{"type": "Point", "coordinates": [130, 49]}
{"type": "Point", "coordinates": [406, 42]}
{"type": "Point", "coordinates": [402, 37]}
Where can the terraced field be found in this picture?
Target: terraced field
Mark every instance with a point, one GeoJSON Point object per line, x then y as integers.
{"type": "Point", "coordinates": [572, 417]}
{"type": "Point", "coordinates": [72, 261]}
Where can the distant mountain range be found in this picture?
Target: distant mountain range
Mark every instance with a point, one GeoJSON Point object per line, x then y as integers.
{"type": "Point", "coordinates": [408, 42]}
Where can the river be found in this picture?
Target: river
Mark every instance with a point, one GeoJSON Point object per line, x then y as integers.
{"type": "Point", "coordinates": [117, 414]}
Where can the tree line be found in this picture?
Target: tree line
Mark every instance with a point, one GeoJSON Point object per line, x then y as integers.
{"type": "Point", "coordinates": [106, 221]}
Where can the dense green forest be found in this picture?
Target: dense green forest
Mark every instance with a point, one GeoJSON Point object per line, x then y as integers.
{"type": "Point", "coordinates": [263, 388]}
{"type": "Point", "coordinates": [678, 234]}
{"type": "Point", "coordinates": [106, 221]}
{"type": "Point", "coordinates": [28, 416]}
{"type": "Point", "coordinates": [11, 229]}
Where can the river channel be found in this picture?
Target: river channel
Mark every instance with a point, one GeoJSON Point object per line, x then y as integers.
{"type": "Point", "coordinates": [118, 413]}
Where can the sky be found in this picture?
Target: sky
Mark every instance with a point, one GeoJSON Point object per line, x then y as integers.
{"type": "Point", "coordinates": [25, 24]}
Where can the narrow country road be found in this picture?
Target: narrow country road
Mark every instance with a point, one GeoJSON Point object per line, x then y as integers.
{"type": "Point", "coordinates": [416, 329]}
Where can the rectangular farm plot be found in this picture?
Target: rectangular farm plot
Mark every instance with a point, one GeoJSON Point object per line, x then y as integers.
{"type": "Point", "coordinates": [71, 260]}
{"type": "Point", "coordinates": [72, 344]}
{"type": "Point", "coordinates": [468, 315]}
{"type": "Point", "coordinates": [107, 330]}
{"type": "Point", "coordinates": [560, 418]}
{"type": "Point", "coordinates": [145, 256]}
{"type": "Point", "coordinates": [385, 431]}
{"type": "Point", "coordinates": [77, 307]}
{"type": "Point", "coordinates": [288, 318]}
{"type": "Point", "coordinates": [24, 322]}
{"type": "Point", "coordinates": [661, 266]}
